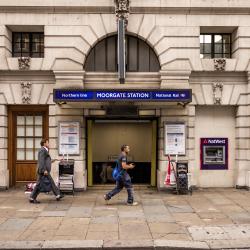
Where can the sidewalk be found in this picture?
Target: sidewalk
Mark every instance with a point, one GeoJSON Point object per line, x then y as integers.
{"type": "Point", "coordinates": [209, 219]}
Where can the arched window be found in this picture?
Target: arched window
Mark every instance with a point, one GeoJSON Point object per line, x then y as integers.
{"type": "Point", "coordinates": [139, 56]}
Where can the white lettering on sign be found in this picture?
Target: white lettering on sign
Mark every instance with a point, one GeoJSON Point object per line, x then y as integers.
{"type": "Point", "coordinates": [162, 95]}
{"type": "Point", "coordinates": [120, 95]}
{"type": "Point", "coordinates": [70, 95]}
{"type": "Point", "coordinates": [215, 141]}
{"type": "Point", "coordinates": [83, 95]}
{"type": "Point", "coordinates": [111, 95]}
{"type": "Point", "coordinates": [138, 95]}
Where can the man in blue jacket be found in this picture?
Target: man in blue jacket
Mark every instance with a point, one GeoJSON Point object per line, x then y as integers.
{"type": "Point", "coordinates": [125, 180]}
{"type": "Point", "coordinates": [43, 169]}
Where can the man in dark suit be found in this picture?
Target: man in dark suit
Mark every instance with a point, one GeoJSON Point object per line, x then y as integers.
{"type": "Point", "coordinates": [43, 169]}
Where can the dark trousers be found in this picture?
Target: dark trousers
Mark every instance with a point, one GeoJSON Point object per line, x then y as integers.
{"type": "Point", "coordinates": [125, 181]}
{"type": "Point", "coordinates": [36, 191]}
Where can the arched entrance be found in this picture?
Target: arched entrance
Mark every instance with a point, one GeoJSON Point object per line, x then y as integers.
{"type": "Point", "coordinates": [105, 135]}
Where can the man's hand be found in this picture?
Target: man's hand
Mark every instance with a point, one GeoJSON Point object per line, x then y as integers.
{"type": "Point", "coordinates": [131, 165]}
{"type": "Point", "coordinates": [45, 172]}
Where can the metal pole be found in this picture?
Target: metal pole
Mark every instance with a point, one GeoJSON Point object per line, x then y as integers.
{"type": "Point", "coordinates": [121, 50]}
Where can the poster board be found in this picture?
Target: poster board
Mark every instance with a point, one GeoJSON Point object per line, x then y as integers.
{"type": "Point", "coordinates": [174, 139]}
{"type": "Point", "coordinates": [69, 138]}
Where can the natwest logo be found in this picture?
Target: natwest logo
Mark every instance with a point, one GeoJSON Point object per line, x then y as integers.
{"type": "Point", "coordinates": [214, 141]}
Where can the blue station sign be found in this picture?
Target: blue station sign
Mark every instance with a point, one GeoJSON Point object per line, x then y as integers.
{"type": "Point", "coordinates": [71, 95]}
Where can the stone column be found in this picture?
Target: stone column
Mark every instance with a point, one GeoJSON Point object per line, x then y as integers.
{"type": "Point", "coordinates": [4, 172]}
{"type": "Point", "coordinates": [69, 112]}
{"type": "Point", "coordinates": [193, 165]}
{"type": "Point", "coordinates": [243, 139]}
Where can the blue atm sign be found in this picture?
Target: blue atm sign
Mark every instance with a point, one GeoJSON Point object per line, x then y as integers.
{"type": "Point", "coordinates": [70, 95]}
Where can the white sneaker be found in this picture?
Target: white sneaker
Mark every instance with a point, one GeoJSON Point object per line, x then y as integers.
{"type": "Point", "coordinates": [135, 203]}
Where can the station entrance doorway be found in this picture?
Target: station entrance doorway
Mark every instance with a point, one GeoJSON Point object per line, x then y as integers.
{"type": "Point", "coordinates": [104, 141]}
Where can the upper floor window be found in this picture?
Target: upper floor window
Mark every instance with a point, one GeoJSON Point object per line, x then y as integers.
{"type": "Point", "coordinates": [140, 57]}
{"type": "Point", "coordinates": [215, 46]}
{"type": "Point", "coordinates": [27, 44]}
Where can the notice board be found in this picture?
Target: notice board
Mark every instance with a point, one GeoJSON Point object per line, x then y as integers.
{"type": "Point", "coordinates": [174, 139]}
{"type": "Point", "coordinates": [69, 138]}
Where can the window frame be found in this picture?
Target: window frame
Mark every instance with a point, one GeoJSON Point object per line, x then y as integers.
{"type": "Point", "coordinates": [212, 54]}
{"type": "Point", "coordinates": [25, 136]}
{"type": "Point", "coordinates": [31, 43]}
{"type": "Point", "coordinates": [90, 64]}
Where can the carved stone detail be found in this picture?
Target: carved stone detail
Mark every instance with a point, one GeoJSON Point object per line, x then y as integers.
{"type": "Point", "coordinates": [26, 92]}
{"type": "Point", "coordinates": [24, 63]}
{"type": "Point", "coordinates": [219, 64]}
{"type": "Point", "coordinates": [217, 92]}
{"type": "Point", "coordinates": [122, 9]}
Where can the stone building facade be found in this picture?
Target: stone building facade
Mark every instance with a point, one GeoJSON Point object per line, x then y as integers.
{"type": "Point", "coordinates": [172, 29]}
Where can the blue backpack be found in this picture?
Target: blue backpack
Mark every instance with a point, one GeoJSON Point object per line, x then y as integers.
{"type": "Point", "coordinates": [117, 172]}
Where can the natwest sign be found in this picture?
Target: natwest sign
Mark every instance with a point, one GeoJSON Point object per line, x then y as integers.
{"type": "Point", "coordinates": [214, 153]}
{"type": "Point", "coordinates": [214, 141]}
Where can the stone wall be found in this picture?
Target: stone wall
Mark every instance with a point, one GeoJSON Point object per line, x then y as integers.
{"type": "Point", "coordinates": [172, 29]}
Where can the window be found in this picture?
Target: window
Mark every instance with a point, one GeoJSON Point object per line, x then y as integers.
{"type": "Point", "coordinates": [215, 46]}
{"type": "Point", "coordinates": [29, 134]}
{"type": "Point", "coordinates": [27, 44]}
{"type": "Point", "coordinates": [140, 57]}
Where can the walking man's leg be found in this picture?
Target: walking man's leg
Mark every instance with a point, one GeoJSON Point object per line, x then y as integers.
{"type": "Point", "coordinates": [55, 189]}
{"type": "Point", "coordinates": [130, 190]}
{"type": "Point", "coordinates": [35, 193]}
{"type": "Point", "coordinates": [119, 186]}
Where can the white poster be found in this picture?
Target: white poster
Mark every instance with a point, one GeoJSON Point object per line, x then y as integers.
{"type": "Point", "coordinates": [69, 137]}
{"type": "Point", "coordinates": [174, 139]}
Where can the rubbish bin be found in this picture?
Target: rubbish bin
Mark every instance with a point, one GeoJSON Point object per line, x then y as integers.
{"type": "Point", "coordinates": [66, 176]}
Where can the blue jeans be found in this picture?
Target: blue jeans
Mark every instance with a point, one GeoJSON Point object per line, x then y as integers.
{"type": "Point", "coordinates": [125, 181]}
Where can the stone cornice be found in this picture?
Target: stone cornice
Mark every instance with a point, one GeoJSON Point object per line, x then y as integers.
{"type": "Point", "coordinates": [133, 10]}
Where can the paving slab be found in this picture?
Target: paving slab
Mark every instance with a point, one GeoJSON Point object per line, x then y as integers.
{"type": "Point", "coordinates": [106, 220]}
{"type": "Point", "coordinates": [73, 244]}
{"type": "Point", "coordinates": [165, 228]}
{"type": "Point", "coordinates": [180, 209]}
{"type": "Point", "coordinates": [27, 245]}
{"type": "Point", "coordinates": [79, 212]}
{"type": "Point", "coordinates": [208, 233]}
{"type": "Point", "coordinates": [15, 224]}
{"type": "Point", "coordinates": [53, 214]}
{"type": "Point", "coordinates": [37, 235]}
{"type": "Point", "coordinates": [134, 231]}
{"type": "Point", "coordinates": [134, 214]}
{"type": "Point", "coordinates": [160, 218]}
{"type": "Point", "coordinates": [229, 244]}
{"type": "Point", "coordinates": [222, 215]}
{"type": "Point", "coordinates": [157, 209]}
{"type": "Point", "coordinates": [102, 235]}
{"type": "Point", "coordinates": [174, 244]}
{"type": "Point", "coordinates": [188, 219]}
{"type": "Point", "coordinates": [45, 223]}
{"type": "Point", "coordinates": [103, 227]}
{"type": "Point", "coordinates": [2, 220]}
{"type": "Point", "coordinates": [170, 236]}
{"type": "Point", "coordinates": [237, 232]}
{"type": "Point", "coordinates": [217, 221]}
{"type": "Point", "coordinates": [152, 202]}
{"type": "Point", "coordinates": [129, 245]}
{"type": "Point", "coordinates": [240, 218]}
{"type": "Point", "coordinates": [10, 235]}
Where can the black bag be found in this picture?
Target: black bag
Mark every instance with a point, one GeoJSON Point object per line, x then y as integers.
{"type": "Point", "coordinates": [45, 184]}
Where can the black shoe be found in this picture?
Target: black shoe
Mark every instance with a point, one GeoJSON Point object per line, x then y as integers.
{"type": "Point", "coordinates": [59, 197]}
{"type": "Point", "coordinates": [106, 198]}
{"type": "Point", "coordinates": [34, 201]}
